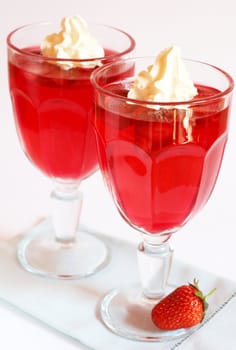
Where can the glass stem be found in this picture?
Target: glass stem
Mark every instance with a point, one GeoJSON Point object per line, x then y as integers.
{"type": "Point", "coordinates": [154, 262]}
{"type": "Point", "coordinates": [66, 208]}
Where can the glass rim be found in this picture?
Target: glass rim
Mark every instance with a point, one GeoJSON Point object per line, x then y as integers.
{"type": "Point", "coordinates": [130, 48]}
{"type": "Point", "coordinates": [196, 101]}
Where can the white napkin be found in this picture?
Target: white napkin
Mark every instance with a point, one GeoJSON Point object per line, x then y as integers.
{"type": "Point", "coordinates": [71, 307]}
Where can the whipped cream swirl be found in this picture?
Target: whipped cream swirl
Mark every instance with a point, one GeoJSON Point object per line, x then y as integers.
{"type": "Point", "coordinates": [167, 80]}
{"type": "Point", "coordinates": [74, 41]}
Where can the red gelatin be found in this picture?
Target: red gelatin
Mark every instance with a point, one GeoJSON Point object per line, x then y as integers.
{"type": "Point", "coordinates": [54, 112]}
{"type": "Point", "coordinates": [160, 170]}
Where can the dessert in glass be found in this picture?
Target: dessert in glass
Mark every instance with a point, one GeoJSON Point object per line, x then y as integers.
{"type": "Point", "coordinates": [53, 104]}
{"type": "Point", "coordinates": [161, 136]}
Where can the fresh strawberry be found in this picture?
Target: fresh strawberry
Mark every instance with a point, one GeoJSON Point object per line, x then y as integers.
{"type": "Point", "coordinates": [184, 307]}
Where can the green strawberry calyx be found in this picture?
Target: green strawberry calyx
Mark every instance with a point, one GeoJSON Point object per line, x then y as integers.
{"type": "Point", "coordinates": [200, 294]}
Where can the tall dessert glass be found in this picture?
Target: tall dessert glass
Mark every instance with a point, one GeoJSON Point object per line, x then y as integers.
{"type": "Point", "coordinates": [160, 162]}
{"type": "Point", "coordinates": [54, 111]}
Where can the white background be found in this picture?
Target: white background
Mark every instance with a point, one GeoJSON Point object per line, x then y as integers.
{"type": "Point", "coordinates": [204, 30]}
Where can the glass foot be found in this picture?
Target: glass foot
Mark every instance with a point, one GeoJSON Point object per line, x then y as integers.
{"type": "Point", "coordinates": [128, 313]}
{"type": "Point", "coordinates": [41, 254]}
